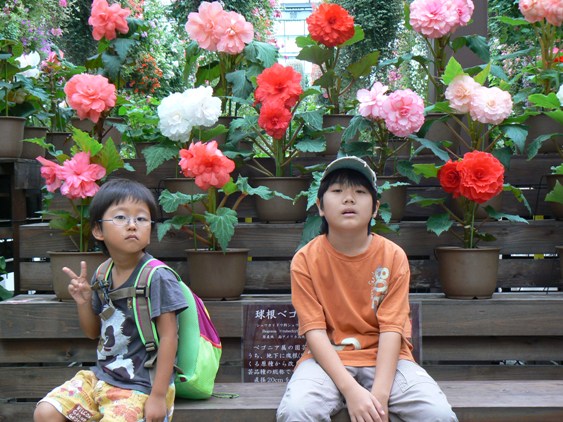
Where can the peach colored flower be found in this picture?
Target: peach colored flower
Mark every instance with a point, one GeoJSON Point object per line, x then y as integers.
{"type": "Point", "coordinates": [464, 11]}
{"type": "Point", "coordinates": [279, 84]}
{"type": "Point", "coordinates": [403, 111]}
{"type": "Point", "coordinates": [372, 100]}
{"type": "Point", "coordinates": [207, 164]}
{"type": "Point", "coordinates": [553, 11]}
{"type": "Point", "coordinates": [201, 26]}
{"type": "Point", "coordinates": [107, 20]}
{"type": "Point", "coordinates": [90, 95]}
{"type": "Point", "coordinates": [459, 92]}
{"type": "Point", "coordinates": [274, 119]}
{"type": "Point", "coordinates": [490, 105]}
{"type": "Point", "coordinates": [481, 176]}
{"type": "Point", "coordinates": [532, 10]}
{"type": "Point", "coordinates": [330, 25]}
{"type": "Point", "coordinates": [49, 172]}
{"type": "Point", "coordinates": [233, 32]}
{"type": "Point", "coordinates": [434, 18]}
{"type": "Point", "coordinates": [80, 176]}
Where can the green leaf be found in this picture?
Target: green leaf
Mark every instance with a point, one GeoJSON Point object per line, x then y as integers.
{"type": "Point", "coordinates": [241, 85]}
{"type": "Point", "coordinates": [536, 144]}
{"type": "Point", "coordinates": [550, 101]}
{"type": "Point", "coordinates": [222, 225]}
{"type": "Point", "coordinates": [207, 73]}
{"type": "Point", "coordinates": [406, 168]}
{"type": "Point", "coordinates": [308, 144]}
{"type": "Point", "coordinates": [385, 213]}
{"type": "Point", "coordinates": [263, 53]}
{"type": "Point", "coordinates": [358, 36]}
{"type": "Point", "coordinates": [311, 228]}
{"type": "Point", "coordinates": [85, 142]}
{"type": "Point", "coordinates": [158, 154]}
{"type": "Point", "coordinates": [481, 77]}
{"type": "Point", "coordinates": [314, 54]}
{"type": "Point", "coordinates": [304, 41]}
{"type": "Point", "coordinates": [517, 133]}
{"type": "Point", "coordinates": [555, 195]}
{"type": "Point", "coordinates": [453, 69]}
{"type": "Point", "coordinates": [364, 66]}
{"type": "Point", "coordinates": [478, 45]}
{"type": "Point", "coordinates": [500, 215]}
{"type": "Point", "coordinates": [176, 223]}
{"type": "Point", "coordinates": [313, 119]}
{"type": "Point", "coordinates": [513, 21]}
{"type": "Point", "coordinates": [109, 157]}
{"type": "Point", "coordinates": [262, 192]}
{"type": "Point", "coordinates": [432, 146]}
{"type": "Point", "coordinates": [504, 155]}
{"type": "Point", "coordinates": [425, 202]}
{"type": "Point", "coordinates": [439, 223]}
{"type": "Point", "coordinates": [556, 115]}
{"type": "Point", "coordinates": [314, 189]}
{"type": "Point", "coordinates": [170, 201]}
{"type": "Point", "coordinates": [327, 79]}
{"type": "Point", "coordinates": [426, 170]}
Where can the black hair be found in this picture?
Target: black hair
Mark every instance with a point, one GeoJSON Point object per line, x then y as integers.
{"type": "Point", "coordinates": [346, 177]}
{"type": "Point", "coordinates": [114, 192]}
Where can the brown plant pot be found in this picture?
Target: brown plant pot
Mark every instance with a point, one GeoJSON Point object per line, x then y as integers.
{"type": "Point", "coordinates": [334, 139]}
{"type": "Point", "coordinates": [11, 130]}
{"type": "Point", "coordinates": [396, 197]}
{"type": "Point", "coordinates": [30, 150]}
{"type": "Point", "coordinates": [559, 250]}
{"type": "Point", "coordinates": [214, 275]}
{"type": "Point", "coordinates": [467, 273]}
{"type": "Point", "coordinates": [280, 210]}
{"type": "Point", "coordinates": [61, 140]}
{"type": "Point", "coordinates": [186, 186]}
{"type": "Point", "coordinates": [542, 125]}
{"type": "Point", "coordinates": [556, 208]}
{"type": "Point", "coordinates": [71, 260]}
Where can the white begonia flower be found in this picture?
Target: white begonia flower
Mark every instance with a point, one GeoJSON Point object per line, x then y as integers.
{"type": "Point", "coordinates": [560, 95]}
{"type": "Point", "coordinates": [175, 117]}
{"type": "Point", "coordinates": [32, 59]}
{"type": "Point", "coordinates": [206, 107]}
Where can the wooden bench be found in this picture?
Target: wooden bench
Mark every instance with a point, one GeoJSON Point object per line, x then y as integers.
{"type": "Point", "coordinates": [473, 401]}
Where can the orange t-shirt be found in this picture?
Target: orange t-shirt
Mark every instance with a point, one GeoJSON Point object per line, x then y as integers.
{"type": "Point", "coordinates": [341, 294]}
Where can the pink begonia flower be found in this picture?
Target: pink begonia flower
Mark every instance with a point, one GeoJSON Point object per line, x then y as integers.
{"type": "Point", "coordinates": [372, 100]}
{"type": "Point", "coordinates": [205, 162]}
{"type": "Point", "coordinates": [80, 176]}
{"type": "Point", "coordinates": [460, 91]}
{"type": "Point", "coordinates": [108, 20]}
{"type": "Point", "coordinates": [234, 32]}
{"type": "Point", "coordinates": [532, 10]}
{"type": "Point", "coordinates": [90, 95]}
{"type": "Point", "coordinates": [403, 111]}
{"type": "Point", "coordinates": [553, 11]}
{"type": "Point", "coordinates": [464, 11]}
{"type": "Point", "coordinates": [490, 105]}
{"type": "Point", "coordinates": [63, 3]}
{"type": "Point", "coordinates": [434, 18]}
{"type": "Point", "coordinates": [201, 25]}
{"type": "Point", "coordinates": [49, 172]}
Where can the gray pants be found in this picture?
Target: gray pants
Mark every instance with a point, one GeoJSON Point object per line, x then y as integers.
{"type": "Point", "coordinates": [311, 396]}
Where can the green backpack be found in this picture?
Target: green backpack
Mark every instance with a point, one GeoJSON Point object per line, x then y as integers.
{"type": "Point", "coordinates": [199, 346]}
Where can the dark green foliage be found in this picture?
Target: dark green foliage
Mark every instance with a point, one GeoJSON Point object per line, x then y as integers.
{"type": "Point", "coordinates": [77, 43]}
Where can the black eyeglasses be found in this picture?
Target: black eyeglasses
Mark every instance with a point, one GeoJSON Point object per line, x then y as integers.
{"type": "Point", "coordinates": [121, 221]}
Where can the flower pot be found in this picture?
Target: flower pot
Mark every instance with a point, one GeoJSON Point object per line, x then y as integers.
{"type": "Point", "coordinates": [217, 275]}
{"type": "Point", "coordinates": [280, 210]}
{"type": "Point", "coordinates": [467, 273]}
{"type": "Point", "coordinates": [556, 208]}
{"type": "Point", "coordinates": [186, 186]}
{"type": "Point", "coordinates": [29, 150]}
{"type": "Point", "coordinates": [395, 198]}
{"type": "Point", "coordinates": [11, 143]}
{"type": "Point", "coordinates": [480, 214]}
{"type": "Point", "coordinates": [61, 140]}
{"type": "Point", "coordinates": [541, 124]}
{"type": "Point", "coordinates": [71, 260]}
{"type": "Point", "coordinates": [334, 139]}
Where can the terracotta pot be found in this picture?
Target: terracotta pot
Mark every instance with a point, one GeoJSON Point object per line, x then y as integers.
{"type": "Point", "coordinates": [61, 140]}
{"type": "Point", "coordinates": [334, 139]}
{"type": "Point", "coordinates": [542, 125]}
{"type": "Point", "coordinates": [71, 260]}
{"type": "Point", "coordinates": [467, 273]}
{"type": "Point", "coordinates": [280, 210]}
{"type": "Point", "coordinates": [214, 275]}
{"type": "Point", "coordinates": [11, 143]}
{"type": "Point", "coordinates": [395, 198]}
{"type": "Point", "coordinates": [556, 208]}
{"type": "Point", "coordinates": [186, 186]}
{"type": "Point", "coordinates": [29, 150]}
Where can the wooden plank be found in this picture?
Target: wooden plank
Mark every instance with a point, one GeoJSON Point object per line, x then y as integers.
{"type": "Point", "coordinates": [478, 372]}
{"type": "Point", "coordinates": [47, 351]}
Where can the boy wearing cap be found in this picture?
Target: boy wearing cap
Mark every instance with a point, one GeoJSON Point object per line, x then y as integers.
{"type": "Point", "coordinates": [350, 288]}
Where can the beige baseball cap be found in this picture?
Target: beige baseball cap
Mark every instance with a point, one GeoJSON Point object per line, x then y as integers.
{"type": "Point", "coordinates": [352, 163]}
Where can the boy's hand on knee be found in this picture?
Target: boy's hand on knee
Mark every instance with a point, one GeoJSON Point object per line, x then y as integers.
{"type": "Point", "coordinates": [79, 287]}
{"type": "Point", "coordinates": [364, 406]}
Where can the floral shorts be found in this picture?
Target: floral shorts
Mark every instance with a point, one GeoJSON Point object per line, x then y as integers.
{"type": "Point", "coordinates": [84, 398]}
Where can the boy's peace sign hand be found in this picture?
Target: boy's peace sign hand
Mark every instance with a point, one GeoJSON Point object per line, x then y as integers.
{"type": "Point", "coordinates": [79, 287]}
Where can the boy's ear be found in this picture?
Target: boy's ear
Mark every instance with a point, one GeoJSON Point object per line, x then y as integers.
{"type": "Point", "coordinates": [376, 209]}
{"type": "Point", "coordinates": [97, 232]}
{"type": "Point", "coordinates": [319, 207]}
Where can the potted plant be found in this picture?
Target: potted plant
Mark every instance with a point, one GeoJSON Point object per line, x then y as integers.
{"type": "Point", "coordinates": [77, 176]}
{"type": "Point", "coordinates": [555, 191]}
{"type": "Point", "coordinates": [225, 55]}
{"type": "Point", "coordinates": [282, 130]}
{"type": "Point", "coordinates": [214, 269]}
{"type": "Point", "coordinates": [331, 29]}
{"type": "Point", "coordinates": [381, 115]}
{"type": "Point", "coordinates": [4, 293]}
